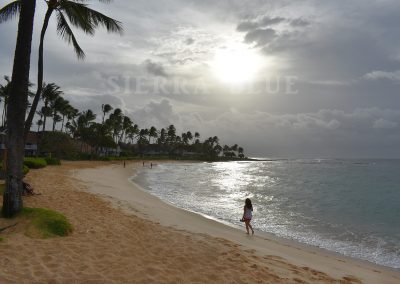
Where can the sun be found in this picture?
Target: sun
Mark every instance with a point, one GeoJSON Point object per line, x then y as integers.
{"type": "Point", "coordinates": [236, 64]}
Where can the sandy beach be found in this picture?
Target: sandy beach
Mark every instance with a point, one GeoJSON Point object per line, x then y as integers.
{"type": "Point", "coordinates": [124, 235]}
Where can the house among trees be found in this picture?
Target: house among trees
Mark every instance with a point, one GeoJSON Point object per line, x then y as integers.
{"type": "Point", "coordinates": [31, 145]}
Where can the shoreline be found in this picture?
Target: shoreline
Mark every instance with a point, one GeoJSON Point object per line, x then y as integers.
{"type": "Point", "coordinates": [142, 185]}
{"type": "Point", "coordinates": [122, 234]}
{"type": "Point", "coordinates": [128, 194]}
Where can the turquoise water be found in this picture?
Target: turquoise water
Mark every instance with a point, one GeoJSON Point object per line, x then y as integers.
{"type": "Point", "coordinates": [348, 206]}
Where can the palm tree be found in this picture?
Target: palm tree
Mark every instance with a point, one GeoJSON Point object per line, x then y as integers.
{"type": "Point", "coordinates": [234, 147]}
{"type": "Point", "coordinates": [50, 93]}
{"type": "Point", "coordinates": [82, 123]}
{"type": "Point", "coordinates": [57, 107]}
{"type": "Point", "coordinates": [241, 152]}
{"type": "Point", "coordinates": [171, 133]}
{"type": "Point", "coordinates": [106, 108]}
{"type": "Point", "coordinates": [153, 133]}
{"type": "Point", "coordinates": [185, 138]}
{"type": "Point", "coordinates": [39, 123]}
{"type": "Point", "coordinates": [72, 113]}
{"type": "Point", "coordinates": [197, 137]}
{"type": "Point", "coordinates": [4, 95]}
{"type": "Point", "coordinates": [88, 117]}
{"type": "Point", "coordinates": [126, 124]}
{"type": "Point", "coordinates": [80, 16]}
{"type": "Point", "coordinates": [12, 200]}
{"type": "Point", "coordinates": [162, 138]}
{"type": "Point", "coordinates": [132, 132]}
{"type": "Point", "coordinates": [116, 122]}
{"type": "Point", "coordinates": [189, 136]}
{"type": "Point", "coordinates": [46, 111]}
{"type": "Point", "coordinates": [64, 111]}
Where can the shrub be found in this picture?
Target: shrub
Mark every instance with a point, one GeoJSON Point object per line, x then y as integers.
{"type": "Point", "coordinates": [35, 163]}
{"type": "Point", "coordinates": [25, 170]}
{"type": "Point", "coordinates": [52, 161]}
{"type": "Point", "coordinates": [106, 159]}
{"type": "Point", "coordinates": [2, 188]}
{"type": "Point", "coordinates": [46, 223]}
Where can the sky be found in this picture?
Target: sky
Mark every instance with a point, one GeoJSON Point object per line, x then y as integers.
{"type": "Point", "coordinates": [283, 79]}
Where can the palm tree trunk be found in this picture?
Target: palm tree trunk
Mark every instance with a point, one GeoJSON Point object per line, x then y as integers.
{"type": "Point", "coordinates": [44, 123]}
{"type": "Point", "coordinates": [35, 102]}
{"type": "Point", "coordinates": [3, 115]}
{"type": "Point", "coordinates": [54, 121]}
{"type": "Point", "coordinates": [62, 123]}
{"type": "Point", "coordinates": [12, 200]}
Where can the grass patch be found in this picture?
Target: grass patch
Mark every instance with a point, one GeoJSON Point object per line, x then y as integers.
{"type": "Point", "coordinates": [45, 223]}
{"type": "Point", "coordinates": [2, 239]}
{"type": "Point", "coordinates": [35, 163]}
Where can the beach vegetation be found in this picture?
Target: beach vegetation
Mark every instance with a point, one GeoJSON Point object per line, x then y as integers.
{"type": "Point", "coordinates": [52, 161]}
{"type": "Point", "coordinates": [56, 144]}
{"type": "Point", "coordinates": [35, 163]}
{"type": "Point", "coordinates": [45, 223]}
{"type": "Point", "coordinates": [25, 170]}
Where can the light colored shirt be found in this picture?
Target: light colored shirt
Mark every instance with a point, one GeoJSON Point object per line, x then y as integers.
{"type": "Point", "coordinates": [248, 213]}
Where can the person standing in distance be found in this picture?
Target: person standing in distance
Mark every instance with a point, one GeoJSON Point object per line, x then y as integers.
{"type": "Point", "coordinates": [247, 215]}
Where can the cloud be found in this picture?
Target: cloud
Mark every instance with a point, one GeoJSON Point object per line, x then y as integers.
{"type": "Point", "coordinates": [273, 34]}
{"type": "Point", "coordinates": [155, 113]}
{"type": "Point", "coordinates": [325, 133]}
{"type": "Point", "coordinates": [299, 23]}
{"type": "Point", "coordinates": [379, 75]}
{"type": "Point", "coordinates": [264, 22]}
{"type": "Point", "coordinates": [155, 68]}
{"type": "Point", "coordinates": [384, 124]}
{"type": "Point", "coordinates": [189, 41]}
{"type": "Point", "coordinates": [260, 36]}
{"type": "Point", "coordinates": [345, 56]}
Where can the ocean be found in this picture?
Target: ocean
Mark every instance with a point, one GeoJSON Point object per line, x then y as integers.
{"type": "Point", "coordinates": [351, 207]}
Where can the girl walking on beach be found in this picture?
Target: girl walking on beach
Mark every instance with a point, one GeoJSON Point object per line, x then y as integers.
{"type": "Point", "coordinates": [247, 215]}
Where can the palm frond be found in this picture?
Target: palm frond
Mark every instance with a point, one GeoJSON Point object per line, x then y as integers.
{"type": "Point", "coordinates": [81, 16]}
{"type": "Point", "coordinates": [64, 30]}
{"type": "Point", "coordinates": [76, 16]}
{"type": "Point", "coordinates": [101, 1]}
{"type": "Point", "coordinates": [10, 11]}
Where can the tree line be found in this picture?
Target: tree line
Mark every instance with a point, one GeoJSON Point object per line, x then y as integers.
{"type": "Point", "coordinates": [116, 128]}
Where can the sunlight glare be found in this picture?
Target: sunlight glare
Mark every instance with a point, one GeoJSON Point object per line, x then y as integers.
{"type": "Point", "coordinates": [236, 64]}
